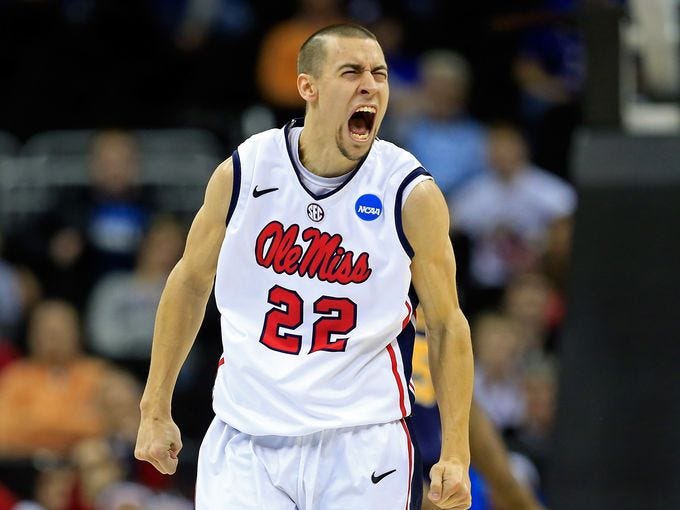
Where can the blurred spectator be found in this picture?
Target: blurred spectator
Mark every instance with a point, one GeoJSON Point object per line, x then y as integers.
{"type": "Point", "coordinates": [19, 291]}
{"type": "Point", "coordinates": [117, 210]}
{"type": "Point", "coordinates": [536, 308]}
{"type": "Point", "coordinates": [97, 468]}
{"type": "Point", "coordinates": [118, 404]}
{"type": "Point", "coordinates": [202, 33]}
{"type": "Point", "coordinates": [51, 393]}
{"type": "Point", "coordinates": [54, 488]}
{"type": "Point", "coordinates": [92, 229]}
{"type": "Point", "coordinates": [277, 62]}
{"type": "Point", "coordinates": [549, 70]}
{"type": "Point", "coordinates": [491, 474]}
{"type": "Point", "coordinates": [555, 262]}
{"type": "Point", "coordinates": [498, 370]}
{"type": "Point", "coordinates": [122, 308]}
{"type": "Point", "coordinates": [447, 141]}
{"type": "Point", "coordinates": [10, 299]}
{"type": "Point", "coordinates": [132, 496]}
{"type": "Point", "coordinates": [507, 214]}
{"type": "Point", "coordinates": [204, 18]}
{"type": "Point", "coordinates": [534, 437]}
{"type": "Point", "coordinates": [108, 460]}
{"type": "Point", "coordinates": [404, 76]}
{"type": "Point", "coordinates": [104, 483]}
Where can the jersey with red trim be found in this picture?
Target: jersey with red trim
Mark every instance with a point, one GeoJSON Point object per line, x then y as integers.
{"type": "Point", "coordinates": [315, 293]}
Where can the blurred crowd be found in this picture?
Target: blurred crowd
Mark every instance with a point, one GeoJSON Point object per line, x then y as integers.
{"type": "Point", "coordinates": [485, 95]}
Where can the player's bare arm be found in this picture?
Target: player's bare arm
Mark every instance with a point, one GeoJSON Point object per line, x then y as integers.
{"type": "Point", "coordinates": [179, 316]}
{"type": "Point", "coordinates": [490, 458]}
{"type": "Point", "coordinates": [433, 268]}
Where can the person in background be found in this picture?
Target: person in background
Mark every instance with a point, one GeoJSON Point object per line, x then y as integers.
{"type": "Point", "coordinates": [443, 136]}
{"type": "Point", "coordinates": [98, 228]}
{"type": "Point", "coordinates": [11, 305]}
{"type": "Point", "coordinates": [534, 438]}
{"type": "Point", "coordinates": [123, 304]}
{"type": "Point", "coordinates": [275, 72]}
{"type": "Point", "coordinates": [498, 370]}
{"type": "Point", "coordinates": [53, 488]}
{"type": "Point", "coordinates": [53, 393]}
{"type": "Point", "coordinates": [507, 213]}
{"type": "Point", "coordinates": [536, 309]}
{"type": "Point", "coordinates": [20, 290]}
{"type": "Point", "coordinates": [493, 479]}
{"type": "Point", "coordinates": [405, 86]}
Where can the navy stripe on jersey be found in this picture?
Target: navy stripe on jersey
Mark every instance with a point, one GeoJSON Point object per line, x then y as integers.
{"type": "Point", "coordinates": [299, 122]}
{"type": "Point", "coordinates": [417, 471]}
{"type": "Point", "coordinates": [413, 297]}
{"type": "Point", "coordinates": [236, 187]}
{"type": "Point", "coordinates": [397, 208]}
{"type": "Point", "coordinates": [406, 340]}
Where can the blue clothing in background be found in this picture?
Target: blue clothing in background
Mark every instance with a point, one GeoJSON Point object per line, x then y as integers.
{"type": "Point", "coordinates": [453, 151]}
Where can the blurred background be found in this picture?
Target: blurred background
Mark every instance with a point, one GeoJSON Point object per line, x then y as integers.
{"type": "Point", "coordinates": [551, 126]}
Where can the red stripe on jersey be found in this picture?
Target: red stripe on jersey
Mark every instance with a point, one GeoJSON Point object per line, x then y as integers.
{"type": "Point", "coordinates": [400, 386]}
{"type": "Point", "coordinates": [220, 362]}
{"type": "Point", "coordinates": [408, 315]}
{"type": "Point", "coordinates": [410, 462]}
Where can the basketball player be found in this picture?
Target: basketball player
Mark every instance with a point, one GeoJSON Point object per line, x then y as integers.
{"type": "Point", "coordinates": [321, 240]}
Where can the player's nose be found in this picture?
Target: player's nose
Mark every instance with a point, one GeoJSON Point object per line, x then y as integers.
{"type": "Point", "coordinates": [368, 85]}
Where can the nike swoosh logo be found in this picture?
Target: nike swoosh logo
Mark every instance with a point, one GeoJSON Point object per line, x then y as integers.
{"type": "Point", "coordinates": [260, 192]}
{"type": "Point", "coordinates": [376, 479]}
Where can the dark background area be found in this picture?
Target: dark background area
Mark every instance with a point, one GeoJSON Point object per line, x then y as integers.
{"type": "Point", "coordinates": [98, 64]}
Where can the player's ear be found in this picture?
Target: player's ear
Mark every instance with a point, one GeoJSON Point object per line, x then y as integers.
{"type": "Point", "coordinates": [307, 87]}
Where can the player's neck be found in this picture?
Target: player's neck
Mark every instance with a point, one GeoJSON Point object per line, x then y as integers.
{"type": "Point", "coordinates": [320, 155]}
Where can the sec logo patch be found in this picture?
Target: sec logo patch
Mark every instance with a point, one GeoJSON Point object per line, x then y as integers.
{"type": "Point", "coordinates": [315, 212]}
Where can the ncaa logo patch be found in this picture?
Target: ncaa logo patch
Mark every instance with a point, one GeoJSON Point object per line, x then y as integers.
{"type": "Point", "coordinates": [368, 207]}
{"type": "Point", "coordinates": [315, 212]}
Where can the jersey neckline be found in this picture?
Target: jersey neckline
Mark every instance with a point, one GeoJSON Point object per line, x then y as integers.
{"type": "Point", "coordinates": [299, 122]}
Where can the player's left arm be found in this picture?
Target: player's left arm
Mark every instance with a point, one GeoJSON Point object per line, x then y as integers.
{"type": "Point", "coordinates": [426, 225]}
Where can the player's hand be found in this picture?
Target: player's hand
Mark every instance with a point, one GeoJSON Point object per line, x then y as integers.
{"type": "Point", "coordinates": [450, 485]}
{"type": "Point", "coordinates": [159, 442]}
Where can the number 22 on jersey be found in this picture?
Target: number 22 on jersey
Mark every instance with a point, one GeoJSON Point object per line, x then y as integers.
{"type": "Point", "coordinates": [337, 317]}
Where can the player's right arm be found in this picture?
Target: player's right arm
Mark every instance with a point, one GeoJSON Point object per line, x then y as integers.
{"type": "Point", "coordinates": [179, 316]}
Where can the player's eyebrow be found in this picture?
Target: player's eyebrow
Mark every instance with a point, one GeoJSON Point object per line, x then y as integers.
{"type": "Point", "coordinates": [359, 67]}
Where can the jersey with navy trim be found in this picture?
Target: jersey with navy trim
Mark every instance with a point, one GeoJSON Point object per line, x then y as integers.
{"type": "Point", "coordinates": [313, 291]}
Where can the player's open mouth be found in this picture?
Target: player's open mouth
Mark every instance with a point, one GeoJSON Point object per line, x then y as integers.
{"type": "Point", "coordinates": [361, 123]}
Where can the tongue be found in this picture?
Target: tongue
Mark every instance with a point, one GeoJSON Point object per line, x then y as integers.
{"type": "Point", "coordinates": [357, 125]}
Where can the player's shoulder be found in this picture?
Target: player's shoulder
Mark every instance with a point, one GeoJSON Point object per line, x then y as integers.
{"type": "Point", "coordinates": [391, 155]}
{"type": "Point", "coordinates": [262, 137]}
{"type": "Point", "coordinates": [269, 142]}
{"type": "Point", "coordinates": [386, 148]}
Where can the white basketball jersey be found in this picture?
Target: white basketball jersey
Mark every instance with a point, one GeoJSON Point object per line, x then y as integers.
{"type": "Point", "coordinates": [315, 294]}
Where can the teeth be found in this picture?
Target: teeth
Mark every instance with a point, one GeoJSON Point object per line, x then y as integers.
{"type": "Point", "coordinates": [369, 109]}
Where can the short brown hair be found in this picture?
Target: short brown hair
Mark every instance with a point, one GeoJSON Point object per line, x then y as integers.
{"type": "Point", "coordinates": [313, 50]}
